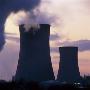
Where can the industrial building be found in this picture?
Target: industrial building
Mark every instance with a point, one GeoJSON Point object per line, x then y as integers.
{"type": "Point", "coordinates": [68, 67]}
{"type": "Point", "coordinates": [34, 62]}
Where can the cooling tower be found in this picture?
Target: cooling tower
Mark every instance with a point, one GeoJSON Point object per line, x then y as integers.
{"type": "Point", "coordinates": [68, 66]}
{"type": "Point", "coordinates": [34, 59]}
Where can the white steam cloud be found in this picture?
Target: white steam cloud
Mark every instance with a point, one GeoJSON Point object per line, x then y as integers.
{"type": "Point", "coordinates": [32, 18]}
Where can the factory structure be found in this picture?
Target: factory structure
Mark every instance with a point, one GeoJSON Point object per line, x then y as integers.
{"type": "Point", "coordinates": [34, 58]}
{"type": "Point", "coordinates": [35, 62]}
{"type": "Point", "coordinates": [68, 66]}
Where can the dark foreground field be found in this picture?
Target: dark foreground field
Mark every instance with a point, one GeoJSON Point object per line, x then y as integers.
{"type": "Point", "coordinates": [38, 86]}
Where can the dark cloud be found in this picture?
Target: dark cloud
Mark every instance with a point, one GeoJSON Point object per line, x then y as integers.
{"type": "Point", "coordinates": [2, 37]}
{"type": "Point", "coordinates": [2, 41]}
{"type": "Point", "coordinates": [8, 6]}
{"type": "Point", "coordinates": [84, 45]}
{"type": "Point", "coordinates": [16, 5]}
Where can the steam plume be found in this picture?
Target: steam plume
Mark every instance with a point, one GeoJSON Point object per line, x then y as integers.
{"type": "Point", "coordinates": [33, 18]}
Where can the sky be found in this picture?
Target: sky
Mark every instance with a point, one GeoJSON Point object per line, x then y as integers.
{"type": "Point", "coordinates": [69, 27]}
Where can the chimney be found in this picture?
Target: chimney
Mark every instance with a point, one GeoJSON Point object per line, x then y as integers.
{"type": "Point", "coordinates": [34, 58]}
{"type": "Point", "coordinates": [68, 66]}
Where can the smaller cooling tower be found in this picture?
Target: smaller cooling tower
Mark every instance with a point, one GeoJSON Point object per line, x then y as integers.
{"type": "Point", "coordinates": [68, 66]}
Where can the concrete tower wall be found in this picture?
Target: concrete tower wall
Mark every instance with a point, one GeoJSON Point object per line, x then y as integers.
{"type": "Point", "coordinates": [34, 58]}
{"type": "Point", "coordinates": [68, 66]}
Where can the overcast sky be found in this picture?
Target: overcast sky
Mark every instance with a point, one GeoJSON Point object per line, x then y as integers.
{"type": "Point", "coordinates": [71, 27]}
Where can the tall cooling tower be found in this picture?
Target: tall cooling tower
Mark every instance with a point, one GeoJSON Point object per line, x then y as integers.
{"type": "Point", "coordinates": [34, 58]}
{"type": "Point", "coordinates": [68, 66]}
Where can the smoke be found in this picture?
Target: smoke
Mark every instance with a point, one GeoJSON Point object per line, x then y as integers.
{"type": "Point", "coordinates": [8, 6]}
{"type": "Point", "coordinates": [32, 18]}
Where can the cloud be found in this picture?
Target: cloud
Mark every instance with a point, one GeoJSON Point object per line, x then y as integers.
{"type": "Point", "coordinates": [83, 45]}
{"type": "Point", "coordinates": [11, 38]}
{"type": "Point", "coordinates": [54, 37]}
{"type": "Point", "coordinates": [54, 50]}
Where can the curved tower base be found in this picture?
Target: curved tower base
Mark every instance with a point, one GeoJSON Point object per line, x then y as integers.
{"type": "Point", "coordinates": [34, 58]}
